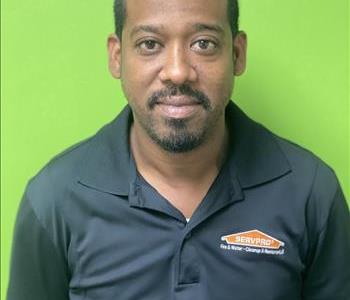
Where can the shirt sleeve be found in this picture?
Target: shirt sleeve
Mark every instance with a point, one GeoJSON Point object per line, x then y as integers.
{"type": "Point", "coordinates": [328, 272]}
{"type": "Point", "coordinates": [37, 271]}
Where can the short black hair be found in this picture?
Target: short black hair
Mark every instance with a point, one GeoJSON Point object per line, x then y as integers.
{"type": "Point", "coordinates": [120, 15]}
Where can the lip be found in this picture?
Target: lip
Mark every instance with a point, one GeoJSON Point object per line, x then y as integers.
{"type": "Point", "coordinates": [178, 107]}
{"type": "Point", "coordinates": [178, 111]}
{"type": "Point", "coordinates": [178, 101]}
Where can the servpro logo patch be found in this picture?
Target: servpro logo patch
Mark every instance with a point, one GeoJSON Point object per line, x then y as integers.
{"type": "Point", "coordinates": [253, 241]}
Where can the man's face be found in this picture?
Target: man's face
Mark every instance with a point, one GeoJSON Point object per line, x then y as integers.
{"type": "Point", "coordinates": [177, 61]}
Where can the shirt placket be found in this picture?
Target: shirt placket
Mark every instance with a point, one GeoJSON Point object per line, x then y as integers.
{"type": "Point", "coordinates": [189, 278]}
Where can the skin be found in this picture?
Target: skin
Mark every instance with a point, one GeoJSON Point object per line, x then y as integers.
{"type": "Point", "coordinates": [170, 44]}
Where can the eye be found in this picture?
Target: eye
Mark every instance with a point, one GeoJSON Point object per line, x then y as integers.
{"type": "Point", "coordinates": [148, 47]}
{"type": "Point", "coordinates": [204, 46]}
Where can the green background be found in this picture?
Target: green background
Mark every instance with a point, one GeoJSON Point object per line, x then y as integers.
{"type": "Point", "coordinates": [56, 88]}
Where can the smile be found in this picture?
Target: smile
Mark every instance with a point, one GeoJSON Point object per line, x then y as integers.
{"type": "Point", "coordinates": [178, 107]}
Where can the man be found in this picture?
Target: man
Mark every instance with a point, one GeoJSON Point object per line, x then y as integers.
{"type": "Point", "coordinates": [182, 196]}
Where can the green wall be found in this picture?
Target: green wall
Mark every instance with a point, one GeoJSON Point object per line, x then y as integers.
{"type": "Point", "coordinates": [56, 88]}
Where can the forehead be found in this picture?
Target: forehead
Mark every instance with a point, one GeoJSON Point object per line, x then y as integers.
{"type": "Point", "coordinates": [175, 13]}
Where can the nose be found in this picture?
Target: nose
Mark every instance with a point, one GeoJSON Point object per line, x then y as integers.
{"type": "Point", "coordinates": [177, 67]}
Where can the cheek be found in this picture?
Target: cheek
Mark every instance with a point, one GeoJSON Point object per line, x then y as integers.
{"type": "Point", "coordinates": [136, 75]}
{"type": "Point", "coordinates": [217, 80]}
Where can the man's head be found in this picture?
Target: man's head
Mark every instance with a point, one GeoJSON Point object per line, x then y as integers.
{"type": "Point", "coordinates": [120, 15]}
{"type": "Point", "coordinates": [176, 60]}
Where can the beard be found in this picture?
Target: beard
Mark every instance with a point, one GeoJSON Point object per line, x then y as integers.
{"type": "Point", "coordinates": [176, 135]}
{"type": "Point", "coordinates": [180, 139]}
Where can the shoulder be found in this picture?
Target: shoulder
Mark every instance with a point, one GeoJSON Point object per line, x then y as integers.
{"type": "Point", "coordinates": [100, 161]}
{"type": "Point", "coordinates": [304, 163]}
{"type": "Point", "coordinates": [61, 168]}
{"type": "Point", "coordinates": [95, 160]}
{"type": "Point", "coordinates": [311, 174]}
{"type": "Point", "coordinates": [48, 191]}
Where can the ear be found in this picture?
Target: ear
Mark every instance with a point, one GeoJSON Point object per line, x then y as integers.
{"type": "Point", "coordinates": [240, 53]}
{"type": "Point", "coordinates": [114, 54]}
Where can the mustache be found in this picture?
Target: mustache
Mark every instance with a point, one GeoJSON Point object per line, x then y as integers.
{"type": "Point", "coordinates": [181, 90]}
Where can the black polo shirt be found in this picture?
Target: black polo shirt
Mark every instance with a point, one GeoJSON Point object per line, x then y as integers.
{"type": "Point", "coordinates": [274, 225]}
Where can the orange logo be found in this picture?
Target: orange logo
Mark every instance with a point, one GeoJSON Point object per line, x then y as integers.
{"type": "Point", "coordinates": [253, 238]}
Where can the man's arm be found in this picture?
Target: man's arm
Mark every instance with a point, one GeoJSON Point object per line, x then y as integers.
{"type": "Point", "coordinates": [328, 271]}
{"type": "Point", "coordinates": [38, 271]}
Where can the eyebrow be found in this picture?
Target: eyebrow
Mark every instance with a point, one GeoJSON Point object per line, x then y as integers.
{"type": "Point", "coordinates": [145, 28]}
{"type": "Point", "coordinates": [197, 27]}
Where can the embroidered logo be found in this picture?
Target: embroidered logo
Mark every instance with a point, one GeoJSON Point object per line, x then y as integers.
{"type": "Point", "coordinates": [253, 241]}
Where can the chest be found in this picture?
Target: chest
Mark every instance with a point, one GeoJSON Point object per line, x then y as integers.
{"type": "Point", "coordinates": [243, 249]}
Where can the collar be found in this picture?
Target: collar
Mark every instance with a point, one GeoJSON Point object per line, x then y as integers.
{"type": "Point", "coordinates": [105, 166]}
{"type": "Point", "coordinates": [255, 157]}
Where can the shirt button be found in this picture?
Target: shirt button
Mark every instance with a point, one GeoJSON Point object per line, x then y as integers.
{"type": "Point", "coordinates": [181, 225]}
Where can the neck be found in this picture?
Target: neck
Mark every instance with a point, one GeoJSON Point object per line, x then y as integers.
{"type": "Point", "coordinates": [199, 165]}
